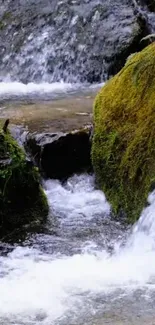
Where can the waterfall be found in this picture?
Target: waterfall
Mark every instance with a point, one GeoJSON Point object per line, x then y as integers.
{"type": "Point", "coordinates": [73, 41]}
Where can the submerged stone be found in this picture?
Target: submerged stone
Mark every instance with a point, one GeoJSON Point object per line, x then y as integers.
{"type": "Point", "coordinates": [59, 155]}
{"type": "Point", "coordinates": [123, 151]}
{"type": "Point", "coordinates": [22, 200]}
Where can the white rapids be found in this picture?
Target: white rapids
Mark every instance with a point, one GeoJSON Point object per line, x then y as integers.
{"type": "Point", "coordinates": [17, 90]}
{"type": "Point", "coordinates": [40, 288]}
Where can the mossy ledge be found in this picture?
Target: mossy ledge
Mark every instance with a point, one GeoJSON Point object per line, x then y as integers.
{"type": "Point", "coordinates": [22, 200]}
{"type": "Point", "coordinates": [123, 150]}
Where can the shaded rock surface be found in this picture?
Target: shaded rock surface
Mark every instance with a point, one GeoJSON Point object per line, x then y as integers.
{"type": "Point", "coordinates": [50, 40]}
{"type": "Point", "coordinates": [150, 4]}
{"type": "Point", "coordinates": [59, 155]}
{"type": "Point", "coordinates": [124, 138]}
{"type": "Point", "coordinates": [22, 200]}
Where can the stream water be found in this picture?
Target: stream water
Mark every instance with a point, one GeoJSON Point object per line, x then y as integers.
{"type": "Point", "coordinates": [47, 107]}
{"type": "Point", "coordinates": [85, 268]}
{"type": "Point", "coordinates": [11, 91]}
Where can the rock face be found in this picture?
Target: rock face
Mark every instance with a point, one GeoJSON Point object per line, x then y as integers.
{"type": "Point", "coordinates": [51, 40]}
{"type": "Point", "coordinates": [124, 138]}
{"type": "Point", "coordinates": [149, 3]}
{"type": "Point", "coordinates": [22, 200]}
{"type": "Point", "coordinates": [60, 155]}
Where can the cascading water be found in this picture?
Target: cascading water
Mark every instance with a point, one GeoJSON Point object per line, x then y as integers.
{"type": "Point", "coordinates": [49, 41]}
{"type": "Point", "coordinates": [85, 268]}
{"type": "Point", "coordinates": [61, 44]}
{"type": "Point", "coordinates": [86, 273]}
{"type": "Point", "coordinates": [143, 9]}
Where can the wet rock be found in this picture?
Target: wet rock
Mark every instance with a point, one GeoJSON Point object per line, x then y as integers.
{"type": "Point", "coordinates": [22, 200]}
{"type": "Point", "coordinates": [5, 162]}
{"type": "Point", "coordinates": [150, 4]}
{"type": "Point", "coordinates": [119, 59]}
{"type": "Point", "coordinates": [61, 155]}
{"type": "Point", "coordinates": [70, 40]}
{"type": "Point", "coordinates": [19, 133]}
{"type": "Point", "coordinates": [123, 152]}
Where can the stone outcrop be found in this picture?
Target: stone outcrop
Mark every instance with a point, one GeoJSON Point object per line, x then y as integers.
{"type": "Point", "coordinates": [60, 155]}
{"type": "Point", "coordinates": [51, 40]}
{"type": "Point", "coordinates": [22, 200]}
{"type": "Point", "coordinates": [150, 4]}
{"type": "Point", "coordinates": [123, 150]}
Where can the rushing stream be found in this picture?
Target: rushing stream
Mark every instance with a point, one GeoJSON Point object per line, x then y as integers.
{"type": "Point", "coordinates": [84, 268]}
{"type": "Point", "coordinates": [10, 91]}
{"type": "Point", "coordinates": [86, 271]}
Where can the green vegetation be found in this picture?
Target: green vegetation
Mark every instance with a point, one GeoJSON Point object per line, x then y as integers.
{"type": "Point", "coordinates": [4, 19]}
{"type": "Point", "coordinates": [7, 15]}
{"type": "Point", "coordinates": [123, 151]}
{"type": "Point", "coordinates": [22, 199]}
{"type": "Point", "coordinates": [1, 25]}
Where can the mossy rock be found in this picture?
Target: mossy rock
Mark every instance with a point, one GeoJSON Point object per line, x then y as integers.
{"type": "Point", "coordinates": [123, 150]}
{"type": "Point", "coordinates": [22, 200]}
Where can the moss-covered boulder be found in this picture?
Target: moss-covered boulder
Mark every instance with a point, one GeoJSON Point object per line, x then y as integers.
{"type": "Point", "coordinates": [22, 200]}
{"type": "Point", "coordinates": [123, 151]}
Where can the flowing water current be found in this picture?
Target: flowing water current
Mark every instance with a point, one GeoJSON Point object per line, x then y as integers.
{"type": "Point", "coordinates": [41, 91]}
{"type": "Point", "coordinates": [85, 268]}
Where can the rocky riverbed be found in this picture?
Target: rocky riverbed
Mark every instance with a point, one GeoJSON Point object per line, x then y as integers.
{"type": "Point", "coordinates": [81, 266]}
{"type": "Point", "coordinates": [63, 115]}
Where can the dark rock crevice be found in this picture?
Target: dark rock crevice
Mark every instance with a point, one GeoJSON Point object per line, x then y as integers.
{"type": "Point", "coordinates": [150, 4]}
{"type": "Point", "coordinates": [58, 156]}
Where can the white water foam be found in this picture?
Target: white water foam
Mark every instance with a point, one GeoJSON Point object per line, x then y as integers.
{"type": "Point", "coordinates": [77, 197]}
{"type": "Point", "coordinates": [9, 89]}
{"type": "Point", "coordinates": [45, 90]}
{"type": "Point", "coordinates": [34, 284]}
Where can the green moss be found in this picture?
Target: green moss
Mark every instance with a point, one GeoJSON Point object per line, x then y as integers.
{"type": "Point", "coordinates": [1, 25]}
{"type": "Point", "coordinates": [22, 199]}
{"type": "Point", "coordinates": [7, 16]}
{"type": "Point", "coordinates": [123, 151]}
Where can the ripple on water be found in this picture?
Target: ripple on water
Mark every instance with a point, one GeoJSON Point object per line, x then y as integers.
{"type": "Point", "coordinates": [85, 283]}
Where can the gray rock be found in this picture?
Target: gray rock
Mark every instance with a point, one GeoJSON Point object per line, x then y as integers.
{"type": "Point", "coordinates": [60, 155]}
{"type": "Point", "coordinates": [51, 40]}
{"type": "Point", "coordinates": [150, 4]}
